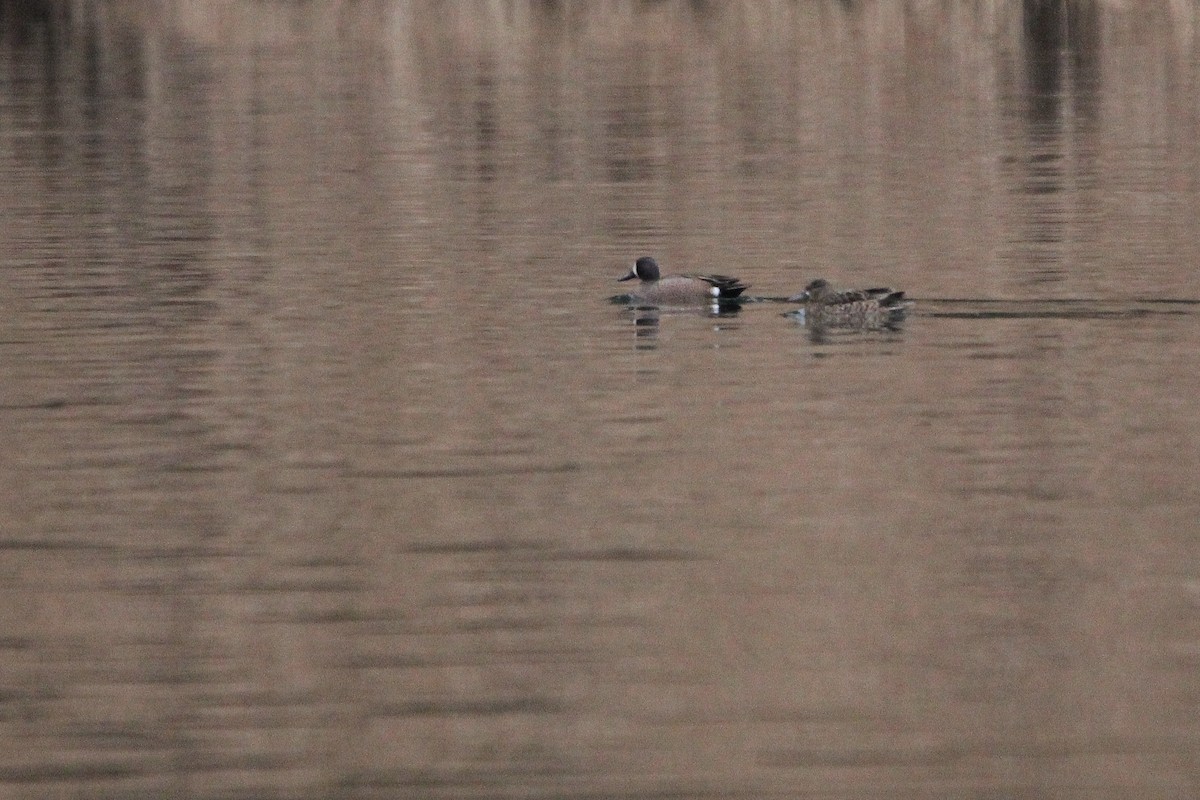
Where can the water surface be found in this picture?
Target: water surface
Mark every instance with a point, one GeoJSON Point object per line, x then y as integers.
{"type": "Point", "coordinates": [331, 471]}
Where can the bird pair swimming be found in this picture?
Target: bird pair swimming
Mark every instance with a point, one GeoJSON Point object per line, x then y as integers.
{"type": "Point", "coordinates": [822, 303]}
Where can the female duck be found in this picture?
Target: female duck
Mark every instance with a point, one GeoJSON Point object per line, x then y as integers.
{"type": "Point", "coordinates": [824, 305]}
{"type": "Point", "coordinates": [678, 290]}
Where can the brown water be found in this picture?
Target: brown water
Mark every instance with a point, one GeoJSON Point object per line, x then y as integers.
{"type": "Point", "coordinates": [329, 471]}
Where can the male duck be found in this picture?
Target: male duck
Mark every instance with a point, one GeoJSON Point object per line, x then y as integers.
{"type": "Point", "coordinates": [824, 305]}
{"type": "Point", "coordinates": [678, 290]}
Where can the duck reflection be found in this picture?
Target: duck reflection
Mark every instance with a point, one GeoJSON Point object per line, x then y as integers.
{"type": "Point", "coordinates": [647, 319]}
{"type": "Point", "coordinates": [823, 332]}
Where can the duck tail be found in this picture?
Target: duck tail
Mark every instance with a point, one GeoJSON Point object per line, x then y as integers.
{"type": "Point", "coordinates": [727, 286]}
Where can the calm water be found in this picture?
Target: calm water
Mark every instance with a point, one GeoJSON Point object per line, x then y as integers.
{"type": "Point", "coordinates": [330, 472]}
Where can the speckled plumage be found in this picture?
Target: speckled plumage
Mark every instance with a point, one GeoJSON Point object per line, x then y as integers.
{"type": "Point", "coordinates": [674, 290]}
{"type": "Point", "coordinates": [824, 305]}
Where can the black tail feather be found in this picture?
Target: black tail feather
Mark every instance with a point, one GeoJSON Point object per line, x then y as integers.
{"type": "Point", "coordinates": [726, 285]}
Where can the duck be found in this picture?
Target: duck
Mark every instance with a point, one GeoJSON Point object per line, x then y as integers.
{"type": "Point", "coordinates": [677, 290]}
{"type": "Point", "coordinates": [825, 305]}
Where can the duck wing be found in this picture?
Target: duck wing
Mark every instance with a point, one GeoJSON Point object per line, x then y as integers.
{"type": "Point", "coordinates": [859, 295]}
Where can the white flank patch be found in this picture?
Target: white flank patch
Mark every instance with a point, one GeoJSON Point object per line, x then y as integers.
{"type": "Point", "coordinates": [715, 291]}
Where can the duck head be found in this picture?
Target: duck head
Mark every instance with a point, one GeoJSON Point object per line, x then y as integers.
{"type": "Point", "coordinates": [645, 268]}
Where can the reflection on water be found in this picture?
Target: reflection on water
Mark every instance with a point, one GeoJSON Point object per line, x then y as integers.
{"type": "Point", "coordinates": [647, 320]}
{"type": "Point", "coordinates": [332, 472]}
{"type": "Point", "coordinates": [1057, 111]}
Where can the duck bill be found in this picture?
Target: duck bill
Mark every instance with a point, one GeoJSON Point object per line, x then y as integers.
{"type": "Point", "coordinates": [632, 274]}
